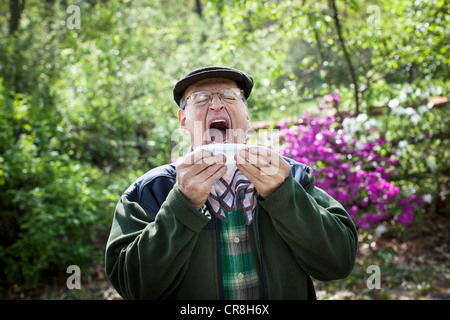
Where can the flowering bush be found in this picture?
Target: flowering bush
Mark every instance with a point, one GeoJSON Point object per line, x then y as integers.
{"type": "Point", "coordinates": [353, 162]}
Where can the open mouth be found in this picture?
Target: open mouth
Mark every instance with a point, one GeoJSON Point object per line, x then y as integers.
{"type": "Point", "coordinates": [218, 130]}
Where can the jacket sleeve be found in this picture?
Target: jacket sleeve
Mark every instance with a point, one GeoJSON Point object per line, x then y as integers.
{"type": "Point", "coordinates": [147, 253]}
{"type": "Point", "coordinates": [316, 227]}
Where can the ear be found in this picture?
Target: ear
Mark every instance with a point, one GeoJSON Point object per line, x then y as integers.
{"type": "Point", "coordinates": [248, 118]}
{"type": "Point", "coordinates": [182, 118]}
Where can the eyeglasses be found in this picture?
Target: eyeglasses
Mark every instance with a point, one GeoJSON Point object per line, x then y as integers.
{"type": "Point", "coordinates": [228, 96]}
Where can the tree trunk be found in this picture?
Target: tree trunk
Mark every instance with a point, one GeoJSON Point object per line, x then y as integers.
{"type": "Point", "coordinates": [347, 57]}
{"type": "Point", "coordinates": [198, 8]}
{"type": "Point", "coordinates": [323, 57]}
{"type": "Point", "coordinates": [15, 9]}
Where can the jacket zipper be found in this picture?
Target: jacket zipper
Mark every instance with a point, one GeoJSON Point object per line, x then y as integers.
{"type": "Point", "coordinates": [215, 223]}
{"type": "Point", "coordinates": [261, 255]}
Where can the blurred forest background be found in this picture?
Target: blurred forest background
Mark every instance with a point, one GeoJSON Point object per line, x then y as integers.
{"type": "Point", "coordinates": [86, 108]}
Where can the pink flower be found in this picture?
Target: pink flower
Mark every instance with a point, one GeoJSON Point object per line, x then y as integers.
{"type": "Point", "coordinates": [328, 98]}
{"type": "Point", "coordinates": [358, 177]}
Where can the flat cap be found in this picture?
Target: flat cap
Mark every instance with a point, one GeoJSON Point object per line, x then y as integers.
{"type": "Point", "coordinates": [244, 80]}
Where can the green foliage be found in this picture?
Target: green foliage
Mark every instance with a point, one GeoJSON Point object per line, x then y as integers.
{"type": "Point", "coordinates": [52, 206]}
{"type": "Point", "coordinates": [420, 139]}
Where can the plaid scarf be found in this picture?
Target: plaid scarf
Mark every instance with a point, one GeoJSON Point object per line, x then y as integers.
{"type": "Point", "coordinates": [233, 191]}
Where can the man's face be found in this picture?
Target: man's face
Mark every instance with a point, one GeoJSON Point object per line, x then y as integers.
{"type": "Point", "coordinates": [218, 121]}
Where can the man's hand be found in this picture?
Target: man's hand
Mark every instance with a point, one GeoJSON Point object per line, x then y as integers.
{"type": "Point", "coordinates": [266, 169]}
{"type": "Point", "coordinates": [197, 173]}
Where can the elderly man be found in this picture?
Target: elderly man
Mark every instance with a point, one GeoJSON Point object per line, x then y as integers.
{"type": "Point", "coordinates": [172, 239]}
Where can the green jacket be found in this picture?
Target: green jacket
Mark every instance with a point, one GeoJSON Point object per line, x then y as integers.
{"type": "Point", "coordinates": [161, 247]}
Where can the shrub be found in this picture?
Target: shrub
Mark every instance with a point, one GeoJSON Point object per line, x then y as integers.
{"type": "Point", "coordinates": [52, 207]}
{"type": "Point", "coordinates": [356, 164]}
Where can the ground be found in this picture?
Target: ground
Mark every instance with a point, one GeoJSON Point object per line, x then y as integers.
{"type": "Point", "coordinates": [416, 266]}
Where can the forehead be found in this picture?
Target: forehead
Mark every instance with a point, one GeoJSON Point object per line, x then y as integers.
{"type": "Point", "coordinates": [213, 84]}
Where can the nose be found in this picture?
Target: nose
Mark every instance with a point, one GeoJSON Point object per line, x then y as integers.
{"type": "Point", "coordinates": [216, 103]}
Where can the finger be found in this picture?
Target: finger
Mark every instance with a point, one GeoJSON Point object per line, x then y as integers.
{"type": "Point", "coordinates": [271, 156]}
{"type": "Point", "coordinates": [261, 151]}
{"type": "Point", "coordinates": [256, 158]}
{"type": "Point", "coordinates": [209, 170]}
{"type": "Point", "coordinates": [201, 159]}
{"type": "Point", "coordinates": [249, 170]}
{"type": "Point", "coordinates": [189, 169]}
{"type": "Point", "coordinates": [262, 167]}
{"type": "Point", "coordinates": [218, 174]}
{"type": "Point", "coordinates": [195, 157]}
{"type": "Point", "coordinates": [220, 158]}
{"type": "Point", "coordinates": [264, 153]}
{"type": "Point", "coordinates": [206, 160]}
{"type": "Point", "coordinates": [212, 174]}
{"type": "Point", "coordinates": [205, 168]}
{"type": "Point", "coordinates": [210, 159]}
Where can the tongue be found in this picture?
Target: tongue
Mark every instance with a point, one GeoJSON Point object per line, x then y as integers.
{"type": "Point", "coordinates": [218, 135]}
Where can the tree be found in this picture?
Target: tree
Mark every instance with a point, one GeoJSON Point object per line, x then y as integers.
{"type": "Point", "coordinates": [346, 54]}
{"type": "Point", "coordinates": [16, 8]}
